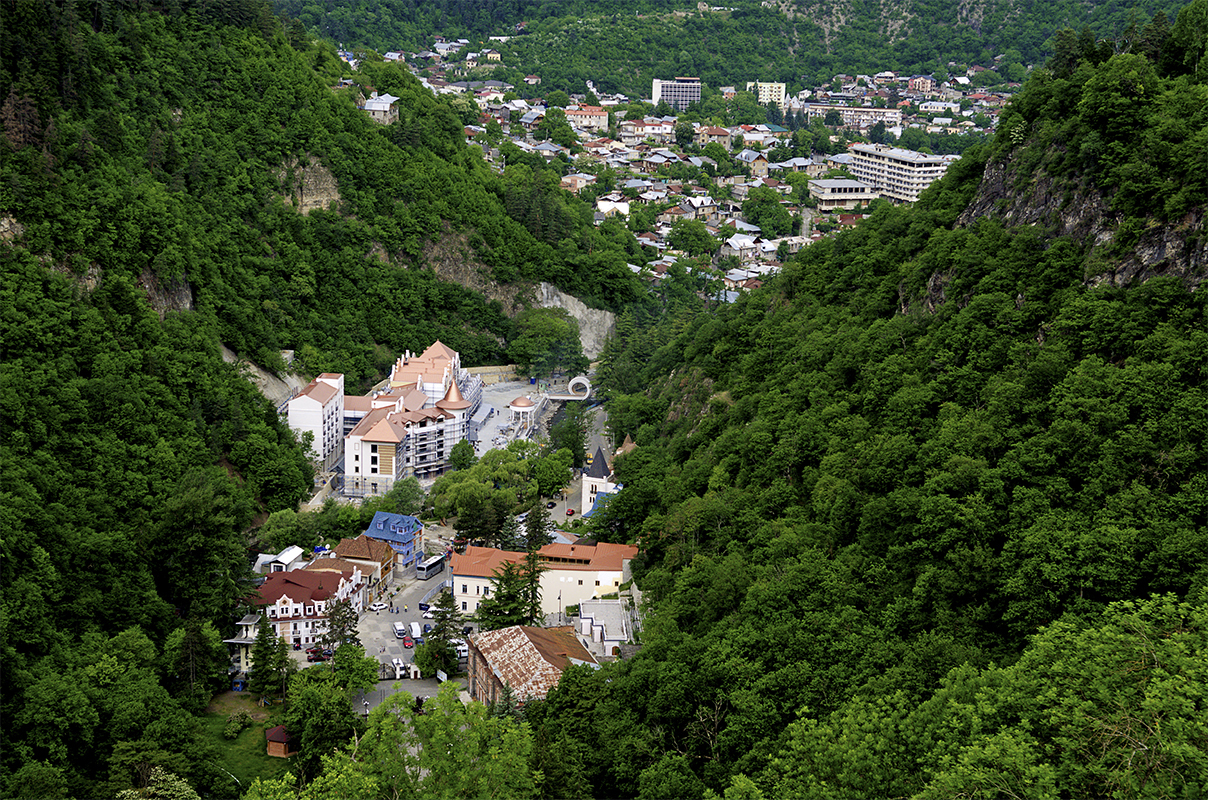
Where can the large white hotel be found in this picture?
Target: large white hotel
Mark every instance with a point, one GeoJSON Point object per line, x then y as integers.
{"type": "Point", "coordinates": [897, 174]}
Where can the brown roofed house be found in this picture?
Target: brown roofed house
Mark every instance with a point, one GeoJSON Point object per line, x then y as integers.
{"type": "Point", "coordinates": [530, 660]}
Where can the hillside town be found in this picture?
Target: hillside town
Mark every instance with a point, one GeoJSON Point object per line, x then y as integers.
{"type": "Point", "coordinates": [659, 170]}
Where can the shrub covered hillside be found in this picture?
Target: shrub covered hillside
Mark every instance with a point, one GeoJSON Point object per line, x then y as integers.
{"type": "Point", "coordinates": [928, 514]}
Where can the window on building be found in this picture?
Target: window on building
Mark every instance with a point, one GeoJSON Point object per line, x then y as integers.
{"type": "Point", "coordinates": [486, 592]}
{"type": "Point", "coordinates": [580, 583]}
{"type": "Point", "coordinates": [464, 590]}
{"type": "Point", "coordinates": [597, 583]}
{"type": "Point", "coordinates": [463, 605]}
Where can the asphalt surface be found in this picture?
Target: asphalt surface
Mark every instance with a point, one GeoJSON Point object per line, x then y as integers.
{"type": "Point", "coordinates": [376, 631]}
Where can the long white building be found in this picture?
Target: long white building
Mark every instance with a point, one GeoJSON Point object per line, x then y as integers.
{"type": "Point", "coordinates": [319, 410]}
{"type": "Point", "coordinates": [897, 174]}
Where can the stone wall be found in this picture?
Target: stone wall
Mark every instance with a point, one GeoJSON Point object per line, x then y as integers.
{"type": "Point", "coordinates": [595, 325]}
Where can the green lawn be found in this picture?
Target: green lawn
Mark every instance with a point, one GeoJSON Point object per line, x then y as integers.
{"type": "Point", "coordinates": [245, 757]}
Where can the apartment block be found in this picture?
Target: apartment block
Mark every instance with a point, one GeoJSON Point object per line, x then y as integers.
{"type": "Point", "coordinates": [857, 116]}
{"type": "Point", "coordinates": [319, 410]}
{"type": "Point", "coordinates": [898, 174]}
{"type": "Point", "coordinates": [679, 93]}
{"type": "Point", "coordinates": [767, 93]}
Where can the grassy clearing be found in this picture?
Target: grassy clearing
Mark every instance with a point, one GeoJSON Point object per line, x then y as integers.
{"type": "Point", "coordinates": [245, 757]}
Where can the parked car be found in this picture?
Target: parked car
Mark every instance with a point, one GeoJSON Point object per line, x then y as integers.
{"type": "Point", "coordinates": [311, 650]}
{"type": "Point", "coordinates": [429, 615]}
{"type": "Point", "coordinates": [378, 606]}
{"type": "Point", "coordinates": [328, 653]}
{"type": "Point", "coordinates": [466, 630]}
{"type": "Point", "coordinates": [427, 629]}
{"type": "Point", "coordinates": [316, 657]}
{"type": "Point", "coordinates": [550, 504]}
{"type": "Point", "coordinates": [424, 606]}
{"type": "Point", "coordinates": [570, 512]}
{"type": "Point", "coordinates": [408, 641]}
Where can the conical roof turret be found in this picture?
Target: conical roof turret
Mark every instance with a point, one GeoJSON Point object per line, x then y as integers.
{"type": "Point", "coordinates": [453, 401]}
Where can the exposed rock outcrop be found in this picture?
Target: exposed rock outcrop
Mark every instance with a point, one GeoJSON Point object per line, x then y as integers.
{"type": "Point", "coordinates": [165, 296]}
{"type": "Point", "coordinates": [452, 258]}
{"type": "Point", "coordinates": [595, 325]}
{"type": "Point", "coordinates": [275, 388]}
{"type": "Point", "coordinates": [1078, 210]}
{"type": "Point", "coordinates": [307, 184]}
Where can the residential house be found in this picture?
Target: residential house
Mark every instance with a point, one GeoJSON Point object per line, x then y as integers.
{"type": "Point", "coordinates": [921, 84]}
{"type": "Point", "coordinates": [292, 557]}
{"type": "Point", "coordinates": [589, 118]}
{"type": "Point", "coordinates": [491, 55]}
{"type": "Point", "coordinates": [530, 661]}
{"type": "Point", "coordinates": [403, 533]}
{"type": "Point", "coordinates": [606, 623]}
{"type": "Point", "coordinates": [243, 641]}
{"type": "Point", "coordinates": [745, 247]}
{"type": "Point", "coordinates": [756, 161]}
{"type": "Point", "coordinates": [573, 573]}
{"type": "Point", "coordinates": [708, 134]}
{"type": "Point", "coordinates": [532, 80]}
{"type": "Point", "coordinates": [382, 109]}
{"type": "Point", "coordinates": [296, 602]}
{"type": "Point", "coordinates": [576, 181]}
{"type": "Point", "coordinates": [375, 557]}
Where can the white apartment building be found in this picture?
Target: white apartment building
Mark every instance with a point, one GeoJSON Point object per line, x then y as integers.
{"type": "Point", "coordinates": [767, 93]}
{"type": "Point", "coordinates": [897, 174]}
{"type": "Point", "coordinates": [574, 573]}
{"type": "Point", "coordinates": [859, 116]}
{"type": "Point", "coordinates": [319, 410]}
{"type": "Point", "coordinates": [679, 93]}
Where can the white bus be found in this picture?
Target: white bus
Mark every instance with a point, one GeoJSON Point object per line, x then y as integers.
{"type": "Point", "coordinates": [427, 568]}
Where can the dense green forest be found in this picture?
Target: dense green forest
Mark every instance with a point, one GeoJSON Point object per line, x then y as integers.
{"type": "Point", "coordinates": [621, 46]}
{"type": "Point", "coordinates": [925, 516]}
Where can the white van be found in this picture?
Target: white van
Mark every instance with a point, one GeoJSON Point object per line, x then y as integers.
{"type": "Point", "coordinates": [416, 631]}
{"type": "Point", "coordinates": [400, 630]}
{"type": "Point", "coordinates": [463, 649]}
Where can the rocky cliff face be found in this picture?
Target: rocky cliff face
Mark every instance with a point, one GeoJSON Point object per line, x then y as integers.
{"type": "Point", "coordinates": [307, 184]}
{"type": "Point", "coordinates": [452, 258]}
{"type": "Point", "coordinates": [595, 325]}
{"type": "Point", "coordinates": [165, 296]}
{"type": "Point", "coordinates": [1078, 210]}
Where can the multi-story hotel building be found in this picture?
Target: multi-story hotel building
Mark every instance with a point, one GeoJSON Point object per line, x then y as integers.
{"type": "Point", "coordinates": [679, 93]}
{"type": "Point", "coordinates": [897, 174]}
{"type": "Point", "coordinates": [408, 428]}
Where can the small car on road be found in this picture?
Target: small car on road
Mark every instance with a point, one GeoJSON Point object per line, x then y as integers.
{"type": "Point", "coordinates": [378, 606]}
{"type": "Point", "coordinates": [408, 641]}
{"type": "Point", "coordinates": [570, 512]}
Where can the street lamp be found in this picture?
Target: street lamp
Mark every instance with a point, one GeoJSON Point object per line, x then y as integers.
{"type": "Point", "coordinates": [366, 709]}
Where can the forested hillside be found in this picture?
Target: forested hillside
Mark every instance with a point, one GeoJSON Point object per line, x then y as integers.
{"type": "Point", "coordinates": [927, 516]}
{"type": "Point", "coordinates": [621, 46]}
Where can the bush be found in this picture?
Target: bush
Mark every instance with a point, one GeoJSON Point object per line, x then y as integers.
{"type": "Point", "coordinates": [236, 723]}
